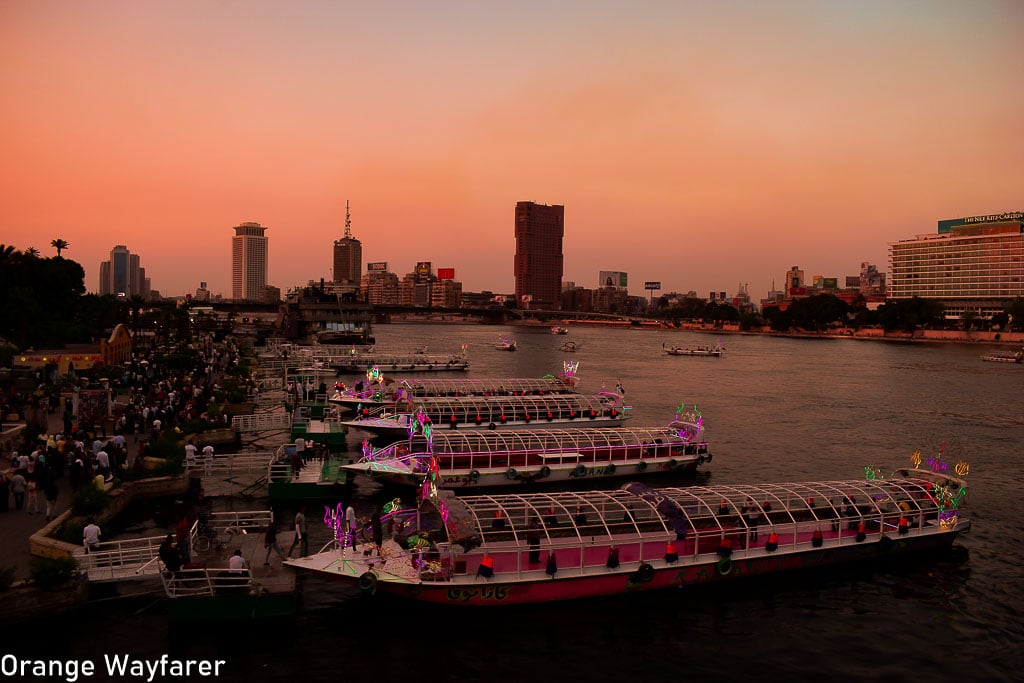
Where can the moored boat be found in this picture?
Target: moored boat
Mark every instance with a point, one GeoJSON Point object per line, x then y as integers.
{"type": "Point", "coordinates": [703, 351]}
{"type": "Point", "coordinates": [493, 412]}
{"type": "Point", "coordinates": [528, 548]}
{"type": "Point", "coordinates": [1017, 357]}
{"type": "Point", "coordinates": [483, 458]}
{"type": "Point", "coordinates": [399, 362]}
{"type": "Point", "coordinates": [559, 329]}
{"type": "Point", "coordinates": [380, 392]}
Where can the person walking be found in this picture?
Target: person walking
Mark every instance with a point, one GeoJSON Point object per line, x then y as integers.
{"type": "Point", "coordinates": [301, 537]}
{"type": "Point", "coordinates": [270, 543]}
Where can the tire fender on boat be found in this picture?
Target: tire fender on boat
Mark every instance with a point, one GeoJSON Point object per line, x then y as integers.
{"type": "Point", "coordinates": [511, 473]}
{"type": "Point", "coordinates": [724, 566]}
{"type": "Point", "coordinates": [545, 471]}
{"type": "Point", "coordinates": [610, 469]}
{"type": "Point", "coordinates": [708, 459]}
{"type": "Point", "coordinates": [644, 573]}
{"type": "Point", "coordinates": [368, 583]}
{"type": "Point", "coordinates": [641, 466]}
{"type": "Point", "coordinates": [474, 475]}
{"type": "Point", "coordinates": [700, 459]}
{"type": "Point", "coordinates": [885, 543]}
{"type": "Point", "coordinates": [673, 463]}
{"type": "Point", "coordinates": [581, 470]}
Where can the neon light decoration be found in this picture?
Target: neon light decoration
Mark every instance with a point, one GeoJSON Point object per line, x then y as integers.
{"type": "Point", "coordinates": [335, 521]}
{"type": "Point", "coordinates": [871, 472]}
{"type": "Point", "coordinates": [962, 468]}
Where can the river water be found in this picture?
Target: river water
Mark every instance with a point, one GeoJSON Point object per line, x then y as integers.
{"type": "Point", "coordinates": [776, 410]}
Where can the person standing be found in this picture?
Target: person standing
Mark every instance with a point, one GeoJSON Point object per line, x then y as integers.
{"type": "Point", "coordinates": [18, 485]}
{"type": "Point", "coordinates": [208, 459]}
{"type": "Point", "coordinates": [51, 493]}
{"type": "Point", "coordinates": [169, 555]}
{"type": "Point", "coordinates": [183, 535]}
{"type": "Point", "coordinates": [32, 496]}
{"type": "Point", "coordinates": [301, 537]}
{"type": "Point", "coordinates": [91, 536]}
{"type": "Point", "coordinates": [378, 529]}
{"type": "Point", "coordinates": [270, 543]}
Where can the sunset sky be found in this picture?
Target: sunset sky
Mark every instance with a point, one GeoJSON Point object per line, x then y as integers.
{"type": "Point", "coordinates": [701, 144]}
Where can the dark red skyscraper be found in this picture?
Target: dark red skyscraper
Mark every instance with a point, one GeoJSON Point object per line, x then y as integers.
{"type": "Point", "coordinates": [538, 264]}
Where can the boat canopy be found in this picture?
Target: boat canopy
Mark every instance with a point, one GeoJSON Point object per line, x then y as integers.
{"type": "Point", "coordinates": [554, 440]}
{"type": "Point", "coordinates": [635, 510]}
{"type": "Point", "coordinates": [484, 387]}
{"type": "Point", "coordinates": [537, 406]}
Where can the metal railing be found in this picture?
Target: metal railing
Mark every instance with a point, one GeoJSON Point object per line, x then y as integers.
{"type": "Point", "coordinates": [117, 560]}
{"type": "Point", "coordinates": [206, 582]}
{"type": "Point", "coordinates": [262, 422]}
{"type": "Point", "coordinates": [231, 464]}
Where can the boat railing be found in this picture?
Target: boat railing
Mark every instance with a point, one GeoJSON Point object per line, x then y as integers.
{"type": "Point", "coordinates": [187, 583]}
{"type": "Point", "coordinates": [229, 464]}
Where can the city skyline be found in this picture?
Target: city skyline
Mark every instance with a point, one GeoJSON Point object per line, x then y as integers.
{"type": "Point", "coordinates": [696, 144]}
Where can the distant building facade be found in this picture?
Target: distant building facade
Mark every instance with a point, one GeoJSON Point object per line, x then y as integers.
{"type": "Point", "coordinates": [538, 260]}
{"type": "Point", "coordinates": [348, 255]}
{"type": "Point", "coordinates": [380, 286]}
{"type": "Point", "coordinates": [248, 262]}
{"type": "Point", "coordinates": [122, 276]}
{"type": "Point", "coordinates": [974, 263]}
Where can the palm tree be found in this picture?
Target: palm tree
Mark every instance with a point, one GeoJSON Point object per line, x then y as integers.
{"type": "Point", "coordinates": [32, 251]}
{"type": "Point", "coordinates": [59, 244]}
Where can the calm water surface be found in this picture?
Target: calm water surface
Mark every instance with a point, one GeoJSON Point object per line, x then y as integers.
{"type": "Point", "coordinates": [776, 410]}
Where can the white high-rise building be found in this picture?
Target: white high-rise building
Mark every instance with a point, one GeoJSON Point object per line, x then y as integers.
{"type": "Point", "coordinates": [248, 261]}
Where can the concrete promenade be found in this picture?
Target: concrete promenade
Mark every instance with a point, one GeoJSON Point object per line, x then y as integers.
{"type": "Point", "coordinates": [17, 526]}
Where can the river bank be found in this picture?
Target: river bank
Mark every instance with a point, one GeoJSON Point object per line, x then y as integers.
{"type": "Point", "coordinates": [870, 334]}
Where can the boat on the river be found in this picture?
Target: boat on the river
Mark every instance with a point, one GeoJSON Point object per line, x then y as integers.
{"type": "Point", "coordinates": [497, 412]}
{"type": "Point", "coordinates": [1017, 357]}
{"type": "Point", "coordinates": [569, 346]}
{"type": "Point", "coordinates": [540, 547]}
{"type": "Point", "coordinates": [702, 351]}
{"type": "Point", "coordinates": [468, 459]}
{"type": "Point", "coordinates": [505, 344]}
{"type": "Point", "coordinates": [401, 362]}
{"type": "Point", "coordinates": [378, 391]}
{"type": "Point", "coordinates": [559, 329]}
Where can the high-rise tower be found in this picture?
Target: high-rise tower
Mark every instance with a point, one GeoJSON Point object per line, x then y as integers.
{"type": "Point", "coordinates": [348, 255]}
{"type": "Point", "coordinates": [538, 260]}
{"type": "Point", "coordinates": [248, 261]}
{"type": "Point", "coordinates": [121, 275]}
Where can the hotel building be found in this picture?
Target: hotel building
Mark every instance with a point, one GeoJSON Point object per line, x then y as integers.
{"type": "Point", "coordinates": [248, 262]}
{"type": "Point", "coordinates": [538, 261]}
{"type": "Point", "coordinates": [974, 263]}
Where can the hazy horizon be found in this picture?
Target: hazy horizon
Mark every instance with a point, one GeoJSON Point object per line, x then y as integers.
{"type": "Point", "coordinates": [702, 145]}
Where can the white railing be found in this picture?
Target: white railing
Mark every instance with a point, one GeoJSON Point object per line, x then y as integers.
{"type": "Point", "coordinates": [188, 583]}
{"type": "Point", "coordinates": [117, 560]}
{"type": "Point", "coordinates": [263, 422]}
{"type": "Point", "coordinates": [230, 464]}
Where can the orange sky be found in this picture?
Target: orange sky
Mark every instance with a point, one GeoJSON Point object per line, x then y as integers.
{"type": "Point", "coordinates": [699, 144]}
